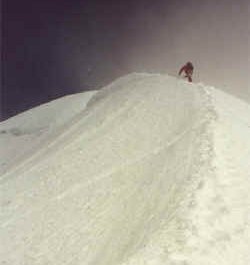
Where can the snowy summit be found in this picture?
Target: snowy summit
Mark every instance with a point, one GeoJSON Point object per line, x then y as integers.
{"type": "Point", "coordinates": [150, 170]}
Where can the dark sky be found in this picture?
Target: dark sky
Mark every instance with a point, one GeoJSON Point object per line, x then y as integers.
{"type": "Point", "coordinates": [56, 47]}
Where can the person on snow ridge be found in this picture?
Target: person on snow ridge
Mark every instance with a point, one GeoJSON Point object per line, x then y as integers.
{"type": "Point", "coordinates": [188, 69]}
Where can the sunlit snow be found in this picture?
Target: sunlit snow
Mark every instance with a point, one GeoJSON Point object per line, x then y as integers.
{"type": "Point", "coordinates": [150, 170]}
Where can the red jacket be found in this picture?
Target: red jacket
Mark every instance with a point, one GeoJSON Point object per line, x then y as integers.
{"type": "Point", "coordinates": [188, 70]}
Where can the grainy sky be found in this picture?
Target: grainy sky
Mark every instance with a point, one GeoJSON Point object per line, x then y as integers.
{"type": "Point", "coordinates": [59, 47]}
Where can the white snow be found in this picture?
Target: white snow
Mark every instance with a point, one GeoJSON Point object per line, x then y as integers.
{"type": "Point", "coordinates": [154, 170]}
{"type": "Point", "coordinates": [22, 133]}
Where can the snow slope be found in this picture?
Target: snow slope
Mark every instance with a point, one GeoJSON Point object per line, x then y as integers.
{"type": "Point", "coordinates": [22, 133]}
{"type": "Point", "coordinates": [155, 170]}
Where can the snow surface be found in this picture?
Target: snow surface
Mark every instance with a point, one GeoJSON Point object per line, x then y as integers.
{"type": "Point", "coordinates": [22, 133]}
{"type": "Point", "coordinates": [154, 170]}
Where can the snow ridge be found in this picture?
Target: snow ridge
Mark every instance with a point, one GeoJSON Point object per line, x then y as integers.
{"type": "Point", "coordinates": [137, 178]}
{"type": "Point", "coordinates": [172, 242]}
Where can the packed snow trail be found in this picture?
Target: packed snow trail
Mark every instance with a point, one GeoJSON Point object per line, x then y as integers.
{"type": "Point", "coordinates": [153, 171]}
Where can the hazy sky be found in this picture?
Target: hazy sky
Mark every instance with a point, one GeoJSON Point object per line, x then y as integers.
{"type": "Point", "coordinates": [54, 48]}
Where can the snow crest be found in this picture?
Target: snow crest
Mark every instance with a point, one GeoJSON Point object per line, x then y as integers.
{"type": "Point", "coordinates": [144, 175]}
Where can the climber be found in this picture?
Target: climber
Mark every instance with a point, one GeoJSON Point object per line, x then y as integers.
{"type": "Point", "coordinates": [188, 70]}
